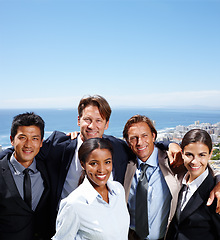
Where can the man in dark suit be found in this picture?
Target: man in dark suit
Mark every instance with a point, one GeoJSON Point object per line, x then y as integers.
{"type": "Point", "coordinates": [24, 184]}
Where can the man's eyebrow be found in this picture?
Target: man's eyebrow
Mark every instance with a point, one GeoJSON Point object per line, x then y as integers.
{"type": "Point", "coordinates": [36, 136]}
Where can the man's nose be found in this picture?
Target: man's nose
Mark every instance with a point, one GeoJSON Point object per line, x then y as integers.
{"type": "Point", "coordinates": [27, 143]}
{"type": "Point", "coordinates": [139, 140]}
{"type": "Point", "coordinates": [91, 124]}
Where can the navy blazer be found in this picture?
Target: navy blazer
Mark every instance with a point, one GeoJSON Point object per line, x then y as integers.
{"type": "Point", "coordinates": [197, 221]}
{"type": "Point", "coordinates": [57, 152]}
{"type": "Point", "coordinates": [17, 219]}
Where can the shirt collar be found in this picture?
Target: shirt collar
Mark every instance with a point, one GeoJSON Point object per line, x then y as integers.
{"type": "Point", "coordinates": [152, 160]}
{"type": "Point", "coordinates": [91, 194]}
{"type": "Point", "coordinates": [197, 182]}
{"type": "Point", "coordinates": [19, 168]}
{"type": "Point", "coordinates": [79, 142]}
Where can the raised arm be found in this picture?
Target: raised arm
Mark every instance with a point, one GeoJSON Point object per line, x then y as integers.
{"type": "Point", "coordinates": [175, 155]}
{"type": "Point", "coordinates": [215, 193]}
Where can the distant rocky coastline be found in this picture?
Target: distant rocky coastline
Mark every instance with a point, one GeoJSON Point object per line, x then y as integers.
{"type": "Point", "coordinates": [176, 134]}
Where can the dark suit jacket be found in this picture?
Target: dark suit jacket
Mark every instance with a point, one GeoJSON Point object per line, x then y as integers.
{"type": "Point", "coordinates": [57, 152]}
{"type": "Point", "coordinates": [197, 221]}
{"type": "Point", "coordinates": [17, 220]}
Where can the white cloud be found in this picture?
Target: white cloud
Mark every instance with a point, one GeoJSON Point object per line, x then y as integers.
{"type": "Point", "coordinates": [58, 102]}
{"type": "Point", "coordinates": [179, 99]}
{"type": "Point", "coordinates": [170, 99]}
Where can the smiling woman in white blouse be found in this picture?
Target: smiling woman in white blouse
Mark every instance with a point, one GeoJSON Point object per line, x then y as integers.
{"type": "Point", "coordinates": [96, 210]}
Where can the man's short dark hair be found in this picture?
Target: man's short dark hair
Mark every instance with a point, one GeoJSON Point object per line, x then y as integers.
{"type": "Point", "coordinates": [27, 119]}
{"type": "Point", "coordinates": [99, 102]}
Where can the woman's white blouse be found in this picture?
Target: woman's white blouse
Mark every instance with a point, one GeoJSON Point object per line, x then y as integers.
{"type": "Point", "coordinates": [85, 215]}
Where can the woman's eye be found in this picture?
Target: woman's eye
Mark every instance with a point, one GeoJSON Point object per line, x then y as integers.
{"type": "Point", "coordinates": [93, 163]}
{"type": "Point", "coordinates": [202, 155]}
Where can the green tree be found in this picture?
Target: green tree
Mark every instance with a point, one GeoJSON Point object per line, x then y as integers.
{"type": "Point", "coordinates": [215, 151]}
{"type": "Point", "coordinates": [216, 157]}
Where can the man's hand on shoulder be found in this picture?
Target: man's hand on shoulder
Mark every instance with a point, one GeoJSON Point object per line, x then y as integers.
{"type": "Point", "coordinates": [175, 155]}
{"type": "Point", "coordinates": [73, 135]}
{"type": "Point", "coordinates": [215, 193]}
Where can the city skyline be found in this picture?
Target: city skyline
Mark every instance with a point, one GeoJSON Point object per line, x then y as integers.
{"type": "Point", "coordinates": [135, 53]}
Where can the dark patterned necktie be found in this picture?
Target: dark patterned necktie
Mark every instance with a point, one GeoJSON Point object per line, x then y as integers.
{"type": "Point", "coordinates": [27, 187]}
{"type": "Point", "coordinates": [141, 212]}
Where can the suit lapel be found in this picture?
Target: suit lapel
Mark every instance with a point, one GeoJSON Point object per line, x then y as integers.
{"type": "Point", "coordinates": [42, 169]}
{"type": "Point", "coordinates": [130, 171]}
{"type": "Point", "coordinates": [10, 183]}
{"type": "Point", "coordinates": [174, 186]}
{"type": "Point", "coordinates": [193, 204]}
{"type": "Point", "coordinates": [197, 199]}
{"type": "Point", "coordinates": [172, 180]}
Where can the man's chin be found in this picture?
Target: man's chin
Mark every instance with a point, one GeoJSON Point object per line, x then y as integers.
{"type": "Point", "coordinates": [88, 136]}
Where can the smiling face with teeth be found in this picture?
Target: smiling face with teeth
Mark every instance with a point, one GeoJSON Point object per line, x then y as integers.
{"type": "Point", "coordinates": [98, 167]}
{"type": "Point", "coordinates": [91, 123]}
{"type": "Point", "coordinates": [196, 156]}
{"type": "Point", "coordinates": [141, 140]}
{"type": "Point", "coordinates": [27, 143]}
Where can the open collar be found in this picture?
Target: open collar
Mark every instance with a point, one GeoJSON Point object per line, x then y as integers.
{"type": "Point", "coordinates": [91, 194]}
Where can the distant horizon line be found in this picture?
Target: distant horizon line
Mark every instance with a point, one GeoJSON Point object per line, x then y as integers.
{"type": "Point", "coordinates": [123, 107]}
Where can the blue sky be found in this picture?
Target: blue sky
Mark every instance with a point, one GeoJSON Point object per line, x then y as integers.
{"type": "Point", "coordinates": [134, 53]}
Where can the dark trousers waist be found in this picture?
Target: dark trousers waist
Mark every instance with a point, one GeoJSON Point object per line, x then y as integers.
{"type": "Point", "coordinates": [133, 236]}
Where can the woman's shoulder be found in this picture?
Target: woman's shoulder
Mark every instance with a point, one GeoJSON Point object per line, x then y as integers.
{"type": "Point", "coordinates": [75, 197]}
{"type": "Point", "coordinates": [115, 186]}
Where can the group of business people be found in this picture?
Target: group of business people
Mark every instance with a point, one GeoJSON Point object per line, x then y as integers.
{"type": "Point", "coordinates": [64, 165]}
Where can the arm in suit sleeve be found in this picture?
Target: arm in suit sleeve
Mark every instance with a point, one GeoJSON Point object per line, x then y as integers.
{"type": "Point", "coordinates": [5, 152]}
{"type": "Point", "coordinates": [55, 141]}
{"type": "Point", "coordinates": [216, 220]}
{"type": "Point", "coordinates": [215, 173]}
{"type": "Point", "coordinates": [162, 145]}
{"type": "Point", "coordinates": [215, 193]}
{"type": "Point", "coordinates": [54, 144]}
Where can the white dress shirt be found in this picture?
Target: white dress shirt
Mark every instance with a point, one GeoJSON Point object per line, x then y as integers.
{"type": "Point", "coordinates": [85, 215]}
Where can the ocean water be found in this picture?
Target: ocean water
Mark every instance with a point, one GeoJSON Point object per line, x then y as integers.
{"type": "Point", "coordinates": [65, 120]}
